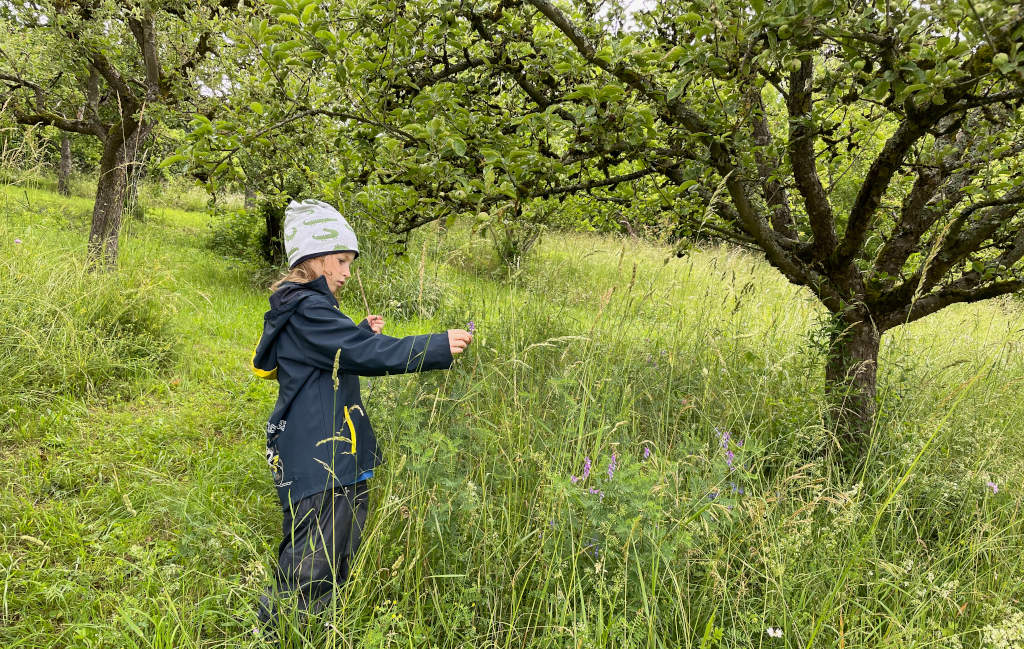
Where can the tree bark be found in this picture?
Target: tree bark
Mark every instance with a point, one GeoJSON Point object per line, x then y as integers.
{"type": "Point", "coordinates": [272, 243]}
{"type": "Point", "coordinates": [851, 372]}
{"type": "Point", "coordinates": [134, 167]}
{"type": "Point", "coordinates": [64, 170]}
{"type": "Point", "coordinates": [123, 141]}
{"type": "Point", "coordinates": [109, 203]}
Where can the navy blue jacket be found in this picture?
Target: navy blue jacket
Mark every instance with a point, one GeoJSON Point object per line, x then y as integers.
{"type": "Point", "coordinates": [318, 435]}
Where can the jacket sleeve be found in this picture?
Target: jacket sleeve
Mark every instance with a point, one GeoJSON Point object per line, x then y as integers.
{"type": "Point", "coordinates": [321, 330]}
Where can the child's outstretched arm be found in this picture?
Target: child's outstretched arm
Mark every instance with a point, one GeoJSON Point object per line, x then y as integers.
{"type": "Point", "coordinates": [321, 333]}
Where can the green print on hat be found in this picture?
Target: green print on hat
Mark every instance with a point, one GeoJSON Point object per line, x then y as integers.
{"type": "Point", "coordinates": [308, 237]}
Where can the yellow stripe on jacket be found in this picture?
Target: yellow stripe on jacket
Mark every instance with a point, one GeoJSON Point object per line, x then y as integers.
{"type": "Point", "coordinates": [263, 374]}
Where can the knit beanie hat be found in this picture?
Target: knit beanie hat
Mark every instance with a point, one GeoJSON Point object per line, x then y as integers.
{"type": "Point", "coordinates": [313, 228]}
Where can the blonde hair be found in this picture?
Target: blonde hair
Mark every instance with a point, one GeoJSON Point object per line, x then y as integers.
{"type": "Point", "coordinates": [304, 271]}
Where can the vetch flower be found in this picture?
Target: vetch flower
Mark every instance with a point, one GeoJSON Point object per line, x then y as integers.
{"type": "Point", "coordinates": [471, 327]}
{"type": "Point", "coordinates": [611, 467]}
{"type": "Point", "coordinates": [17, 241]}
{"type": "Point", "coordinates": [647, 452]}
{"type": "Point", "coordinates": [586, 471]}
{"type": "Point", "coordinates": [993, 486]}
{"type": "Point", "coordinates": [729, 458]}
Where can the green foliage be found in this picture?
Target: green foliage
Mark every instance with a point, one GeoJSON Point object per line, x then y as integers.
{"type": "Point", "coordinates": [237, 233]}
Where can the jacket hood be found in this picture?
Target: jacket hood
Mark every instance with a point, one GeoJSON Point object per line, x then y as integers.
{"type": "Point", "coordinates": [283, 303]}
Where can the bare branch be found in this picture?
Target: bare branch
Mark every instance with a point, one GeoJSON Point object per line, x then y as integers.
{"type": "Point", "coordinates": [774, 191]}
{"type": "Point", "coordinates": [968, 288]}
{"type": "Point", "coordinates": [802, 133]}
{"type": "Point", "coordinates": [875, 183]}
{"type": "Point", "coordinates": [593, 184]}
{"type": "Point", "coordinates": [71, 125]}
{"type": "Point", "coordinates": [117, 82]}
{"type": "Point", "coordinates": [145, 37]}
{"type": "Point", "coordinates": [920, 210]}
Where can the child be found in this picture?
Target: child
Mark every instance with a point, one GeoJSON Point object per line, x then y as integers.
{"type": "Point", "coordinates": [320, 445]}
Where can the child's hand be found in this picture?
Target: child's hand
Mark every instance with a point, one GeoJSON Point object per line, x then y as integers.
{"type": "Point", "coordinates": [376, 323]}
{"type": "Point", "coordinates": [459, 339]}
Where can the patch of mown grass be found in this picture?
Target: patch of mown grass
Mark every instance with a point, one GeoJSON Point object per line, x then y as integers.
{"type": "Point", "coordinates": [150, 521]}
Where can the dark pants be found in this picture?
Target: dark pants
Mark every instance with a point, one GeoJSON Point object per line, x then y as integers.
{"type": "Point", "coordinates": [321, 535]}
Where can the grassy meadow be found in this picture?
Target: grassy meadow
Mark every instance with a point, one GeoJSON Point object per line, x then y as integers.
{"type": "Point", "coordinates": [137, 509]}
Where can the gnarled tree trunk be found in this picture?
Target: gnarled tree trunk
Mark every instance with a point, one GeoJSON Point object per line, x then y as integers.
{"type": "Point", "coordinates": [109, 203]}
{"type": "Point", "coordinates": [123, 141]}
{"type": "Point", "coordinates": [851, 372]}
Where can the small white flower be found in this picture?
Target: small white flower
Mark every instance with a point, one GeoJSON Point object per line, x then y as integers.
{"type": "Point", "coordinates": [774, 633]}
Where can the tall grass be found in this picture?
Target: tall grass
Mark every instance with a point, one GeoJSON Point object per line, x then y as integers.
{"type": "Point", "coordinates": [717, 523]}
{"type": "Point", "coordinates": [65, 332]}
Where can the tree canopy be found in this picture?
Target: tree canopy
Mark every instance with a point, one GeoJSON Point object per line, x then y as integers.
{"type": "Point", "coordinates": [110, 70]}
{"type": "Point", "coordinates": [871, 150]}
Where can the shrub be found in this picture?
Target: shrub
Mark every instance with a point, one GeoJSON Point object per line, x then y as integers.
{"type": "Point", "coordinates": [238, 234]}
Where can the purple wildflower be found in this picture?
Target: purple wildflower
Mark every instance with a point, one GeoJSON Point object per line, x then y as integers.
{"type": "Point", "coordinates": [728, 458]}
{"type": "Point", "coordinates": [586, 471]}
{"type": "Point", "coordinates": [17, 241]}
{"type": "Point", "coordinates": [993, 486]}
{"type": "Point", "coordinates": [611, 467]}
{"type": "Point", "coordinates": [471, 326]}
{"type": "Point", "coordinates": [647, 452]}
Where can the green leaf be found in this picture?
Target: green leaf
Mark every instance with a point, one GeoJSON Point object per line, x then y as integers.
{"type": "Point", "coordinates": [167, 162]}
{"type": "Point", "coordinates": [291, 19]}
{"type": "Point", "coordinates": [676, 89]}
{"type": "Point", "coordinates": [611, 93]}
{"type": "Point", "coordinates": [256, 107]}
{"type": "Point", "coordinates": [307, 13]}
{"type": "Point", "coordinates": [458, 145]}
{"type": "Point", "coordinates": [674, 54]}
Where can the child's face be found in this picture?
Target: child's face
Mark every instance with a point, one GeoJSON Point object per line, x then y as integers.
{"type": "Point", "coordinates": [336, 269]}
